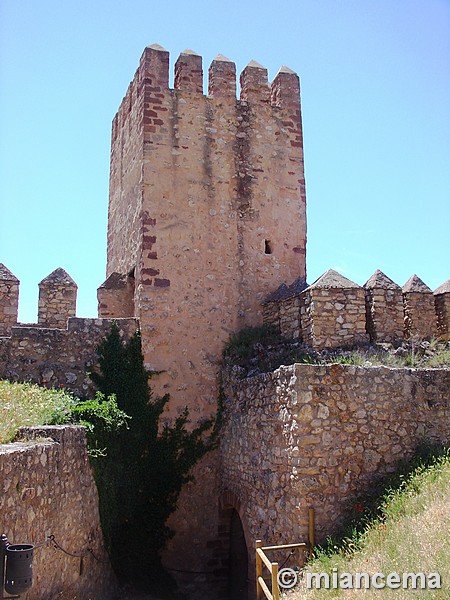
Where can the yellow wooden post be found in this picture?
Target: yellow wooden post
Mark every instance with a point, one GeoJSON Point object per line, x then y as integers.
{"type": "Point", "coordinates": [258, 571]}
{"type": "Point", "coordinates": [275, 590]}
{"type": "Point", "coordinates": [311, 529]}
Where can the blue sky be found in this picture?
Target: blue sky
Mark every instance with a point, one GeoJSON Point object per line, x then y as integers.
{"type": "Point", "coordinates": [375, 79]}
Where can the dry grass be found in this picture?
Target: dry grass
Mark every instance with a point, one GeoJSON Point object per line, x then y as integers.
{"type": "Point", "coordinates": [23, 404]}
{"type": "Point", "coordinates": [415, 537]}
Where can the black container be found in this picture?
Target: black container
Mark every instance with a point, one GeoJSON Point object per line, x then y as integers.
{"type": "Point", "coordinates": [18, 572]}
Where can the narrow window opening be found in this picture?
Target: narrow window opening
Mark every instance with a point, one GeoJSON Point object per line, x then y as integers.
{"type": "Point", "coordinates": [267, 247]}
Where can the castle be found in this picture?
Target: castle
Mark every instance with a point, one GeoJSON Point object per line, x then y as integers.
{"type": "Point", "coordinates": [207, 235]}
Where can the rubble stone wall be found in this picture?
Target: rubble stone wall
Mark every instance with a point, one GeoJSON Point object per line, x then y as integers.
{"type": "Point", "coordinates": [47, 488]}
{"type": "Point", "coordinates": [334, 317]}
{"type": "Point", "coordinates": [57, 357]}
{"type": "Point", "coordinates": [317, 436]}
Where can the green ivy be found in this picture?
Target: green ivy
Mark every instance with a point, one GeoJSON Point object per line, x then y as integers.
{"type": "Point", "coordinates": [145, 466]}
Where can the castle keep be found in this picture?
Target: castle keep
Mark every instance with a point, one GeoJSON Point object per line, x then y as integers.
{"type": "Point", "coordinates": [206, 210]}
{"type": "Point", "coordinates": [207, 235]}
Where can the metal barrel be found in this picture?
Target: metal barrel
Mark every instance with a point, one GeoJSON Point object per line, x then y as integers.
{"type": "Point", "coordinates": [18, 572]}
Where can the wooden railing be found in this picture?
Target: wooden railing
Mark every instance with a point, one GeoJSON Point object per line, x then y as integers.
{"type": "Point", "coordinates": [263, 560]}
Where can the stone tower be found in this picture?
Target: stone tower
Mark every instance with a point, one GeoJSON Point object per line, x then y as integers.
{"type": "Point", "coordinates": [207, 214]}
{"type": "Point", "coordinates": [206, 210]}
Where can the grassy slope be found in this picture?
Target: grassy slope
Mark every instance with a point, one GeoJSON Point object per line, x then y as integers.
{"type": "Point", "coordinates": [23, 404]}
{"type": "Point", "coordinates": [414, 536]}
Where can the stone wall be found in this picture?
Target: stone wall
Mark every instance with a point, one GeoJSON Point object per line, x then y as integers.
{"type": "Point", "coordinates": [420, 315]}
{"type": "Point", "coordinates": [384, 309]}
{"type": "Point", "coordinates": [195, 183]}
{"type": "Point", "coordinates": [47, 488]}
{"type": "Point", "coordinates": [9, 300]}
{"type": "Point", "coordinates": [57, 357]}
{"type": "Point", "coordinates": [330, 313]}
{"type": "Point", "coordinates": [116, 297]}
{"type": "Point", "coordinates": [57, 299]}
{"type": "Point", "coordinates": [442, 306]}
{"type": "Point", "coordinates": [317, 436]}
{"type": "Point", "coordinates": [282, 309]}
{"type": "Point", "coordinates": [333, 312]}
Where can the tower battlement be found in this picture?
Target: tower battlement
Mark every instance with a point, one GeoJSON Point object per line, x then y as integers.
{"type": "Point", "coordinates": [152, 76]}
{"type": "Point", "coordinates": [207, 208]}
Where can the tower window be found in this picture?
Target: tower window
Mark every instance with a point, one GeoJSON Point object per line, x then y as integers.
{"type": "Point", "coordinates": [267, 247]}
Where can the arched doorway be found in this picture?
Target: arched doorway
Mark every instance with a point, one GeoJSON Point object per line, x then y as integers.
{"type": "Point", "coordinates": [238, 560]}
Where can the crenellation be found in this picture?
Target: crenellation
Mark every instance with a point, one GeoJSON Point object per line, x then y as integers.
{"type": "Point", "coordinates": [254, 83]}
{"type": "Point", "coordinates": [222, 78]}
{"type": "Point", "coordinates": [384, 308]}
{"type": "Point", "coordinates": [57, 299]}
{"type": "Point", "coordinates": [419, 309]}
{"type": "Point", "coordinates": [442, 307]}
{"type": "Point", "coordinates": [116, 296]}
{"type": "Point", "coordinates": [189, 72]}
{"type": "Point", "coordinates": [154, 68]}
{"type": "Point", "coordinates": [333, 312]}
{"type": "Point", "coordinates": [9, 300]}
{"type": "Point", "coordinates": [285, 89]}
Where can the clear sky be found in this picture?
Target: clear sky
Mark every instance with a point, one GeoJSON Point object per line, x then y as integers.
{"type": "Point", "coordinates": [375, 80]}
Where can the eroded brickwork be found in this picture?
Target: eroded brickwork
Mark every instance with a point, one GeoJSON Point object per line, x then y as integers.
{"type": "Point", "coordinates": [47, 488]}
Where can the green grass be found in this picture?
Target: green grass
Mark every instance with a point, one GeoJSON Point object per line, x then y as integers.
{"type": "Point", "coordinates": [411, 533]}
{"type": "Point", "coordinates": [24, 405]}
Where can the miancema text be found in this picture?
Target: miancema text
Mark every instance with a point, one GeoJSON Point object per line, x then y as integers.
{"type": "Point", "coordinates": [378, 581]}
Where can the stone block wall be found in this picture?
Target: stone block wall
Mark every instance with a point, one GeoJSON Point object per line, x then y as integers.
{"type": "Point", "coordinates": [333, 312]}
{"type": "Point", "coordinates": [384, 309]}
{"type": "Point", "coordinates": [116, 297]}
{"type": "Point", "coordinates": [442, 306]}
{"type": "Point", "coordinates": [420, 314]}
{"type": "Point", "coordinates": [57, 357]}
{"type": "Point", "coordinates": [9, 300]}
{"type": "Point", "coordinates": [330, 313]}
{"type": "Point", "coordinates": [281, 310]}
{"type": "Point", "coordinates": [57, 299]}
{"type": "Point", "coordinates": [47, 488]}
{"type": "Point", "coordinates": [317, 436]}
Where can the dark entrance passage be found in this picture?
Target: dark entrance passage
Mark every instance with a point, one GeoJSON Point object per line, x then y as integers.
{"type": "Point", "coordinates": [238, 564]}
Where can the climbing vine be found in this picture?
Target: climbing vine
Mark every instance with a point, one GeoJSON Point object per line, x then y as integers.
{"type": "Point", "coordinates": [140, 476]}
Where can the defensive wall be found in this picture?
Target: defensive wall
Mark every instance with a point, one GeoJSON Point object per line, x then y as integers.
{"type": "Point", "coordinates": [318, 436]}
{"type": "Point", "coordinates": [58, 350]}
{"type": "Point", "coordinates": [207, 215]}
{"type": "Point", "coordinates": [335, 312]}
{"type": "Point", "coordinates": [207, 212]}
{"type": "Point", "coordinates": [47, 488]}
